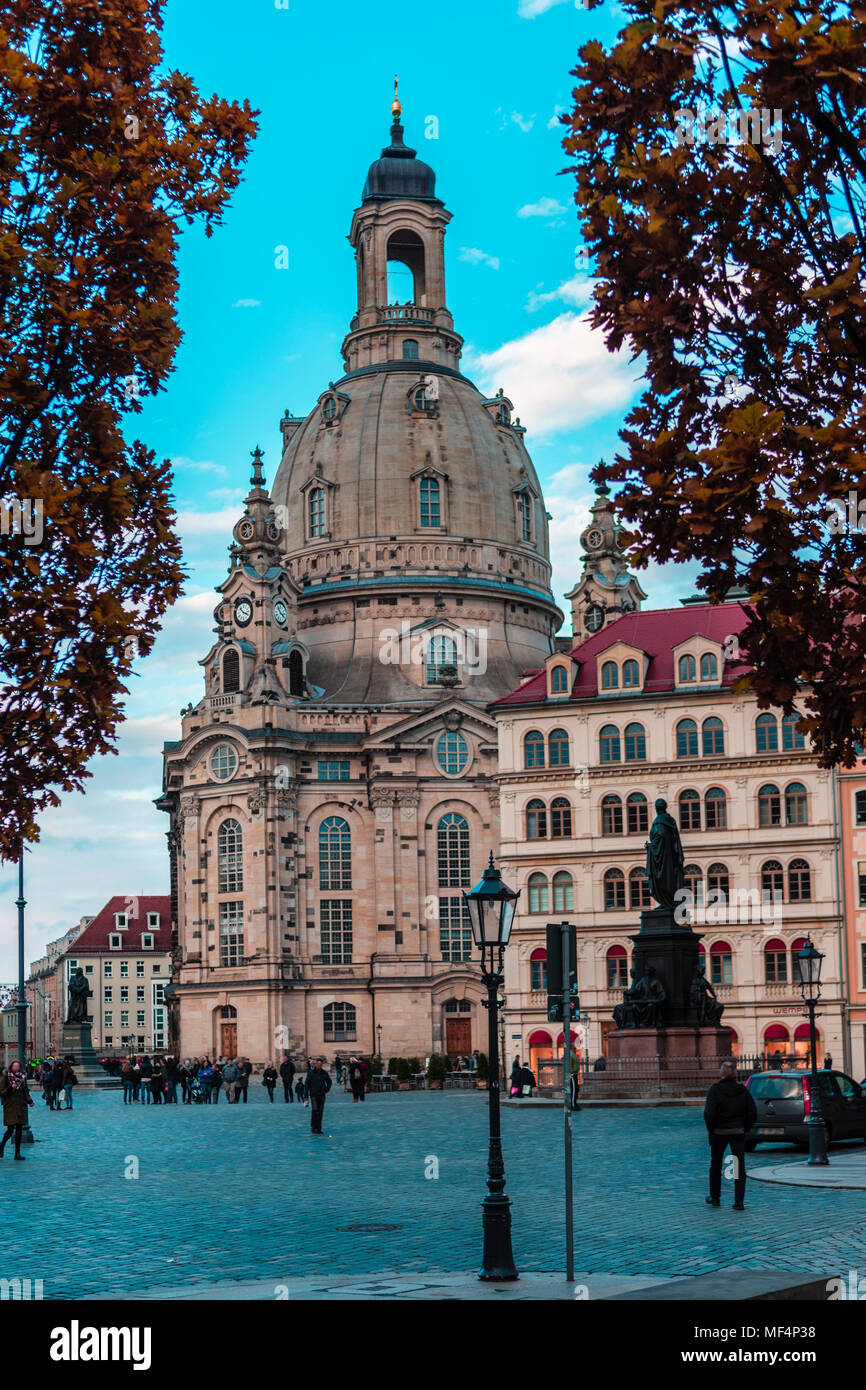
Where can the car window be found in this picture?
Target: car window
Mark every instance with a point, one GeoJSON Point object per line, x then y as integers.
{"type": "Point", "coordinates": [849, 1088]}
{"type": "Point", "coordinates": [828, 1085]}
{"type": "Point", "coordinates": [775, 1087]}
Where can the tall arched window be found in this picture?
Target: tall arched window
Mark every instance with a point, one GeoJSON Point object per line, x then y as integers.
{"type": "Point", "coordinates": [709, 667]}
{"type": "Point", "coordinates": [791, 738]}
{"type": "Point", "coordinates": [560, 818]}
{"type": "Point", "coordinates": [524, 508]}
{"type": "Point", "coordinates": [296, 673]}
{"type": "Point", "coordinates": [635, 743]}
{"type": "Point", "coordinates": [536, 820]}
{"type": "Point", "coordinates": [559, 680]}
{"type": "Point", "coordinates": [610, 676]}
{"type": "Point", "coordinates": [316, 511]}
{"type": "Point", "coordinates": [431, 512]}
{"type": "Point", "coordinates": [335, 854]}
{"type": "Point", "coordinates": [452, 848]}
{"type": "Point", "coordinates": [687, 670]}
{"type": "Point", "coordinates": [690, 810]}
{"type": "Point", "coordinates": [718, 883]}
{"type": "Point", "coordinates": [563, 891]}
{"type": "Point", "coordinates": [693, 879]}
{"type": "Point", "coordinates": [772, 882]}
{"type": "Point", "coordinates": [799, 881]}
{"type": "Point", "coordinates": [630, 673]}
{"type": "Point", "coordinates": [614, 890]}
{"type": "Point", "coordinates": [533, 749]}
{"type": "Point", "coordinates": [340, 1022]}
{"type": "Point", "coordinates": [638, 887]}
{"type": "Point", "coordinates": [721, 964]}
{"type": "Point", "coordinates": [796, 804]}
{"type": "Point", "coordinates": [539, 897]}
{"type": "Point", "coordinates": [441, 651]}
{"type": "Point", "coordinates": [611, 815]}
{"type": "Point", "coordinates": [775, 962]}
{"type": "Point", "coordinates": [860, 808]}
{"type": "Point", "coordinates": [558, 746]}
{"type": "Point", "coordinates": [713, 735]}
{"type": "Point", "coordinates": [617, 967]}
{"type": "Point", "coordinates": [769, 805]}
{"type": "Point", "coordinates": [609, 744]}
{"type": "Point", "coordinates": [231, 671]}
{"type": "Point", "coordinates": [538, 969]}
{"type": "Point", "coordinates": [687, 739]}
{"type": "Point", "coordinates": [766, 734]}
{"type": "Point", "coordinates": [410, 350]}
{"type": "Point", "coordinates": [230, 857]}
{"type": "Point", "coordinates": [637, 813]}
{"type": "Point", "coordinates": [716, 806]}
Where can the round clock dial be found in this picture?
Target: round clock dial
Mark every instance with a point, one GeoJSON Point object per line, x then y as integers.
{"type": "Point", "coordinates": [594, 617]}
{"type": "Point", "coordinates": [243, 611]}
{"type": "Point", "coordinates": [281, 612]}
{"type": "Point", "coordinates": [246, 530]}
{"type": "Point", "coordinates": [594, 538]}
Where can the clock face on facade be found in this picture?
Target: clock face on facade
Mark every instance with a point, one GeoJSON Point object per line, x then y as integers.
{"type": "Point", "coordinates": [281, 612]}
{"type": "Point", "coordinates": [594, 617]}
{"type": "Point", "coordinates": [243, 612]}
{"type": "Point", "coordinates": [594, 538]}
{"type": "Point", "coordinates": [246, 530]}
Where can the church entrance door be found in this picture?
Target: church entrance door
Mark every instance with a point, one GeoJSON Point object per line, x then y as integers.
{"type": "Point", "coordinates": [229, 1039]}
{"type": "Point", "coordinates": [458, 1037]}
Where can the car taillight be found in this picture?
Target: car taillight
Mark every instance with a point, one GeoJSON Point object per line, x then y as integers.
{"type": "Point", "coordinates": [807, 1096]}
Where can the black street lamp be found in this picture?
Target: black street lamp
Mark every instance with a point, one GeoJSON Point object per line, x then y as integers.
{"type": "Point", "coordinates": [491, 905]}
{"type": "Point", "coordinates": [27, 1136]}
{"type": "Point", "coordinates": [809, 974]}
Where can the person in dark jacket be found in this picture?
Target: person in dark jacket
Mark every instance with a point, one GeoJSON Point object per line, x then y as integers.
{"type": "Point", "coordinates": [245, 1068]}
{"type": "Point", "coordinates": [69, 1080]}
{"type": "Point", "coordinates": [317, 1085]}
{"type": "Point", "coordinates": [527, 1081]}
{"type": "Point", "coordinates": [514, 1082]}
{"type": "Point", "coordinates": [357, 1078]}
{"type": "Point", "coordinates": [269, 1079]}
{"type": "Point", "coordinates": [144, 1091]}
{"type": "Point", "coordinates": [729, 1112]}
{"type": "Point", "coordinates": [287, 1076]}
{"type": "Point", "coordinates": [55, 1083]}
{"type": "Point", "coordinates": [16, 1098]}
{"type": "Point", "coordinates": [157, 1082]}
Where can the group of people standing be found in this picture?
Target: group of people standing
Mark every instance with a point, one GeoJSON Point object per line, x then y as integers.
{"type": "Point", "coordinates": [155, 1081]}
{"type": "Point", "coordinates": [57, 1077]}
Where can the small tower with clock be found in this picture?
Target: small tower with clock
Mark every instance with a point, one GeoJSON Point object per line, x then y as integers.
{"type": "Point", "coordinates": [606, 588]}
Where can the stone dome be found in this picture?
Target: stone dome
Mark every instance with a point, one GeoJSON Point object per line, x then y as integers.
{"type": "Point", "coordinates": [398, 173]}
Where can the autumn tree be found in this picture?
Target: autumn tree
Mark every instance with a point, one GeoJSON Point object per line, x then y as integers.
{"type": "Point", "coordinates": [720, 161]}
{"type": "Point", "coordinates": [104, 156]}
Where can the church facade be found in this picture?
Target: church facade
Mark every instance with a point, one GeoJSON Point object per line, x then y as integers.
{"type": "Point", "coordinates": [334, 791]}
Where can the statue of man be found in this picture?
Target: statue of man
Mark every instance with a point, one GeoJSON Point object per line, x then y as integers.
{"type": "Point", "coordinates": [703, 998]}
{"type": "Point", "coordinates": [664, 858]}
{"type": "Point", "coordinates": [649, 994]}
{"type": "Point", "coordinates": [623, 1014]}
{"type": "Point", "coordinates": [79, 993]}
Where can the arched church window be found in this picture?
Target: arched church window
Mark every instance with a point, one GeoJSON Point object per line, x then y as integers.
{"type": "Point", "coordinates": [230, 857]}
{"type": "Point", "coordinates": [431, 511]}
{"type": "Point", "coordinates": [452, 848]}
{"type": "Point", "coordinates": [524, 507]}
{"type": "Point", "coordinates": [231, 671]}
{"type": "Point", "coordinates": [296, 673]}
{"type": "Point", "coordinates": [316, 512]}
{"type": "Point", "coordinates": [335, 854]}
{"type": "Point", "coordinates": [410, 354]}
{"type": "Point", "coordinates": [441, 652]}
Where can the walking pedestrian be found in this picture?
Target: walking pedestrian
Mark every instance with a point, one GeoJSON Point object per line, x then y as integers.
{"type": "Point", "coordinates": [574, 1079]}
{"type": "Point", "coordinates": [300, 1091]}
{"type": "Point", "coordinates": [356, 1079]}
{"type": "Point", "coordinates": [55, 1083]}
{"type": "Point", "coordinates": [527, 1081]}
{"type": "Point", "coordinates": [318, 1084]}
{"type": "Point", "coordinates": [185, 1078]}
{"type": "Point", "coordinates": [246, 1071]}
{"type": "Point", "coordinates": [69, 1080]}
{"type": "Point", "coordinates": [514, 1083]}
{"type": "Point", "coordinates": [231, 1072]}
{"type": "Point", "coordinates": [269, 1079]}
{"type": "Point", "coordinates": [287, 1076]}
{"type": "Point", "coordinates": [205, 1076]}
{"type": "Point", "coordinates": [729, 1112]}
{"type": "Point", "coordinates": [16, 1097]}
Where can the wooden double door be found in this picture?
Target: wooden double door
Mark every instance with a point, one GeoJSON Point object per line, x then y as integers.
{"type": "Point", "coordinates": [458, 1037]}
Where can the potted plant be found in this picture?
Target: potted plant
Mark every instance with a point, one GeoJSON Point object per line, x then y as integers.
{"type": "Point", "coordinates": [482, 1073]}
{"type": "Point", "coordinates": [437, 1070]}
{"type": "Point", "coordinates": [392, 1065]}
{"type": "Point", "coordinates": [402, 1073]}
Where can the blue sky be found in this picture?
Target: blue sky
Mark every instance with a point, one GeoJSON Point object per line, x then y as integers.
{"type": "Point", "coordinates": [493, 74]}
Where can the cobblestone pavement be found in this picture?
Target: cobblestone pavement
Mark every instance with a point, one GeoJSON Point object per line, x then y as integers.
{"type": "Point", "coordinates": [247, 1193]}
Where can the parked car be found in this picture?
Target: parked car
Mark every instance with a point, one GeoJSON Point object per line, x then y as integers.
{"type": "Point", "coordinates": [784, 1102]}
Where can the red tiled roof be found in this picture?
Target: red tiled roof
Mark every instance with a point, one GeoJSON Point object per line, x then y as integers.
{"type": "Point", "coordinates": [656, 632]}
{"type": "Point", "coordinates": [94, 938]}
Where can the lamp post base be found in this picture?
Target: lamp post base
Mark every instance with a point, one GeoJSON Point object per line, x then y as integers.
{"type": "Point", "coordinates": [498, 1261]}
{"type": "Point", "coordinates": [27, 1135]}
{"type": "Point", "coordinates": [817, 1142]}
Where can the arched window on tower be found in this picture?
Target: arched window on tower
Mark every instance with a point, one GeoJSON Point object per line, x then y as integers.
{"type": "Point", "coordinates": [296, 673]}
{"type": "Point", "coordinates": [441, 652]}
{"type": "Point", "coordinates": [230, 857]}
{"type": "Point", "coordinates": [431, 511]}
{"type": "Point", "coordinates": [316, 512]}
{"type": "Point", "coordinates": [524, 511]}
{"type": "Point", "coordinates": [231, 671]}
{"type": "Point", "coordinates": [405, 269]}
{"type": "Point", "coordinates": [452, 849]}
{"type": "Point", "coordinates": [410, 349]}
{"type": "Point", "coordinates": [335, 854]}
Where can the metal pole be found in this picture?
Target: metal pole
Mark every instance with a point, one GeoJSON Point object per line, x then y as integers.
{"type": "Point", "coordinates": [27, 1132]}
{"type": "Point", "coordinates": [815, 1122]}
{"type": "Point", "coordinates": [566, 1103]}
{"type": "Point", "coordinates": [498, 1261]}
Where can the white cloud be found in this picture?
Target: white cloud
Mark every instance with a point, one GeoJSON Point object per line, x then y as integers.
{"type": "Point", "coordinates": [528, 9]}
{"type": "Point", "coordinates": [560, 375]}
{"type": "Point", "coordinates": [525, 122]}
{"type": "Point", "coordinates": [247, 304]}
{"type": "Point", "coordinates": [577, 292]}
{"type": "Point", "coordinates": [198, 465]}
{"type": "Point", "coordinates": [554, 123]}
{"type": "Point", "coordinates": [545, 207]}
{"type": "Point", "coordinates": [476, 257]}
{"type": "Point", "coordinates": [202, 523]}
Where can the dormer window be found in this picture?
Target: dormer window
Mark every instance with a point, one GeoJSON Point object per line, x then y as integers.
{"type": "Point", "coordinates": [115, 942]}
{"type": "Point", "coordinates": [329, 409]}
{"type": "Point", "coordinates": [709, 667]}
{"type": "Point", "coordinates": [687, 670]}
{"type": "Point", "coordinates": [153, 920]}
{"type": "Point", "coordinates": [610, 676]}
{"type": "Point", "coordinates": [630, 674]}
{"type": "Point", "coordinates": [410, 349]}
{"type": "Point", "coordinates": [146, 941]}
{"type": "Point", "coordinates": [559, 681]}
{"type": "Point", "coordinates": [316, 512]}
{"type": "Point", "coordinates": [503, 414]}
{"type": "Point", "coordinates": [120, 921]}
{"type": "Point", "coordinates": [524, 511]}
{"type": "Point", "coordinates": [429, 499]}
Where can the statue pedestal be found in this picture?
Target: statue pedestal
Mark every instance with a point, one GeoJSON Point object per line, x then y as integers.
{"type": "Point", "coordinates": [672, 947]}
{"type": "Point", "coordinates": [693, 1048]}
{"type": "Point", "coordinates": [76, 1040]}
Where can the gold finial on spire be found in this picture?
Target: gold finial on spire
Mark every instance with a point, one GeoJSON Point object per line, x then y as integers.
{"type": "Point", "coordinates": [396, 108]}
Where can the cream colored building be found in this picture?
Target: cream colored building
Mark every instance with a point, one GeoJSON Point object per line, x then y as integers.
{"type": "Point", "coordinates": [644, 709]}
{"type": "Point", "coordinates": [333, 792]}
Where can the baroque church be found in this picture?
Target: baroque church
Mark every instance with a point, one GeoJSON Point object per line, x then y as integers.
{"type": "Point", "coordinates": [334, 792]}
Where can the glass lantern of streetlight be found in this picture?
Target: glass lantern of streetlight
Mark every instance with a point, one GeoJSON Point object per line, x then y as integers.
{"type": "Point", "coordinates": [491, 905]}
{"type": "Point", "coordinates": [809, 962]}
